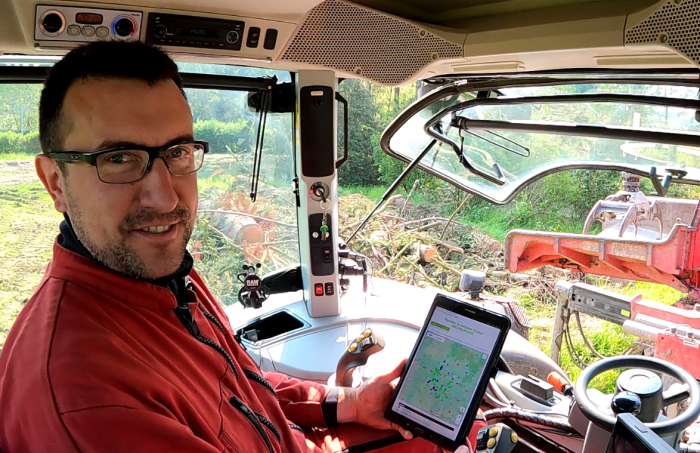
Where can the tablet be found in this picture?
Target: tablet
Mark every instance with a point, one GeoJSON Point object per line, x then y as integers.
{"type": "Point", "coordinates": [444, 381]}
{"type": "Point", "coordinates": [631, 436]}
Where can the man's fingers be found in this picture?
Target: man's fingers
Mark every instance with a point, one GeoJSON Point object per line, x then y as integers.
{"type": "Point", "coordinates": [463, 449]}
{"type": "Point", "coordinates": [408, 435]}
{"type": "Point", "coordinates": [396, 372]}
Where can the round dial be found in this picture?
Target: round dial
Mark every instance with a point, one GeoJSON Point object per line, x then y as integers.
{"type": "Point", "coordinates": [124, 26]}
{"type": "Point", "coordinates": [52, 23]}
{"type": "Point", "coordinates": [232, 37]}
{"type": "Point", "coordinates": [160, 31]}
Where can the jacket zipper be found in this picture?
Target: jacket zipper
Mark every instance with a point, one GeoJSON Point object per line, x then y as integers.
{"type": "Point", "coordinates": [250, 415]}
{"type": "Point", "coordinates": [211, 318]}
{"type": "Point", "coordinates": [255, 377]}
{"type": "Point", "coordinates": [297, 427]}
{"type": "Point", "coordinates": [185, 316]}
{"type": "Point", "coordinates": [269, 425]}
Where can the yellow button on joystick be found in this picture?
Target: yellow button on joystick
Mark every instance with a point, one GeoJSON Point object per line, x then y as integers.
{"type": "Point", "coordinates": [514, 438]}
{"type": "Point", "coordinates": [353, 347]}
{"type": "Point", "coordinates": [491, 443]}
{"type": "Point", "coordinates": [367, 333]}
{"type": "Point", "coordinates": [360, 338]}
{"type": "Point", "coordinates": [493, 432]}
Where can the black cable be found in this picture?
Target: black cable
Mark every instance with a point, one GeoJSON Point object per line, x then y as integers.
{"type": "Point", "coordinates": [530, 417]}
{"type": "Point", "coordinates": [578, 360]}
{"type": "Point", "coordinates": [585, 340]}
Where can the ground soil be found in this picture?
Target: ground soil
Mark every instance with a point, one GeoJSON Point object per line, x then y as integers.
{"type": "Point", "coordinates": [30, 225]}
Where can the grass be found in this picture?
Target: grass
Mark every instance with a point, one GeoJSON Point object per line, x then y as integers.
{"type": "Point", "coordinates": [16, 156]}
{"type": "Point", "coordinates": [374, 193]}
{"type": "Point", "coordinates": [30, 225]}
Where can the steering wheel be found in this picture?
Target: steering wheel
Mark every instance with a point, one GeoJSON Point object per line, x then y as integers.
{"type": "Point", "coordinates": [662, 429]}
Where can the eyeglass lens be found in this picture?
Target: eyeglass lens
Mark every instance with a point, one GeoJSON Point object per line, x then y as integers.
{"type": "Point", "coordinates": [127, 166]}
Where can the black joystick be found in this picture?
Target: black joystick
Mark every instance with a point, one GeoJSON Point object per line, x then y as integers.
{"type": "Point", "coordinates": [626, 403]}
{"type": "Point", "coordinates": [357, 354]}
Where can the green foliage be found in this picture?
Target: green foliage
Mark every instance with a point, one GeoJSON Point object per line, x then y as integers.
{"type": "Point", "coordinates": [15, 143]}
{"type": "Point", "coordinates": [225, 137]}
{"type": "Point", "coordinates": [19, 107]}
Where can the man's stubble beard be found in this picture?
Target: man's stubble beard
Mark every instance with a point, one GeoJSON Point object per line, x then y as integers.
{"type": "Point", "coordinates": [117, 254]}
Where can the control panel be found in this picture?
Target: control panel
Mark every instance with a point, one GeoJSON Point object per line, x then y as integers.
{"type": "Point", "coordinates": [74, 24]}
{"type": "Point", "coordinates": [188, 31]}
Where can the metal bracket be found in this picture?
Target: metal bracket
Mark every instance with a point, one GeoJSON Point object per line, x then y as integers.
{"type": "Point", "coordinates": [591, 300]}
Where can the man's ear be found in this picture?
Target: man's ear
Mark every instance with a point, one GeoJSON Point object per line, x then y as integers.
{"type": "Point", "coordinates": [53, 179]}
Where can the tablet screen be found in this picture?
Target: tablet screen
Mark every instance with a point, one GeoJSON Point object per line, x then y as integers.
{"type": "Point", "coordinates": [450, 361]}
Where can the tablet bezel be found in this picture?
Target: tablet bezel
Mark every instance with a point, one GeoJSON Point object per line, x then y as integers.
{"type": "Point", "coordinates": [502, 323]}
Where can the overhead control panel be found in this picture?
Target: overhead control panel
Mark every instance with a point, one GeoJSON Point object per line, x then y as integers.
{"type": "Point", "coordinates": [71, 24]}
{"type": "Point", "coordinates": [187, 31]}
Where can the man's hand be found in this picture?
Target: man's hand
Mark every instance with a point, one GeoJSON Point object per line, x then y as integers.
{"type": "Point", "coordinates": [366, 404]}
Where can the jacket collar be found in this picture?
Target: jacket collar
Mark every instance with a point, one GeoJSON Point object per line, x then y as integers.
{"type": "Point", "coordinates": [82, 271]}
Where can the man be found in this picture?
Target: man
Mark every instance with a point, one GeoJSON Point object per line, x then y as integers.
{"type": "Point", "coordinates": [122, 347]}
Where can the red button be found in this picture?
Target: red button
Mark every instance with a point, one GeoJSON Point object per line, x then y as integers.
{"type": "Point", "coordinates": [318, 289]}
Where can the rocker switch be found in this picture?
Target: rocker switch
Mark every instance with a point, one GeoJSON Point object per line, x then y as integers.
{"type": "Point", "coordinates": [318, 289]}
{"type": "Point", "coordinates": [327, 255]}
{"type": "Point", "coordinates": [253, 37]}
{"type": "Point", "coordinates": [329, 289]}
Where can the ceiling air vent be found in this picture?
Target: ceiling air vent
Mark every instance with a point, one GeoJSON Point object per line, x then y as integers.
{"type": "Point", "coordinates": [355, 40]}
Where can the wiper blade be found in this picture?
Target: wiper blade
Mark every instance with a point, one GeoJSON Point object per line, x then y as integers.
{"type": "Point", "coordinates": [524, 153]}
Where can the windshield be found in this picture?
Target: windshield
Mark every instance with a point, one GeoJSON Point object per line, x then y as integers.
{"type": "Point", "coordinates": [526, 156]}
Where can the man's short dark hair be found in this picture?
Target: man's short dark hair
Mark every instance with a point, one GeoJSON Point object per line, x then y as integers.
{"type": "Point", "coordinates": [102, 59]}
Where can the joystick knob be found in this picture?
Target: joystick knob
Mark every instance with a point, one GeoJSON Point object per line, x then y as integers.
{"type": "Point", "coordinates": [626, 403]}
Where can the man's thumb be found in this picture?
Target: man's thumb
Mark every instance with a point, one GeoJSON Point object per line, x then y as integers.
{"type": "Point", "coordinates": [396, 372]}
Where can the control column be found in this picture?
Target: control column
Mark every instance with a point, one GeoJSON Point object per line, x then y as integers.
{"type": "Point", "coordinates": [318, 191]}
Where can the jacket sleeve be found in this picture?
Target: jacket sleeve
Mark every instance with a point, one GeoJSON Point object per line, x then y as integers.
{"type": "Point", "coordinates": [115, 428]}
{"type": "Point", "coordinates": [300, 400]}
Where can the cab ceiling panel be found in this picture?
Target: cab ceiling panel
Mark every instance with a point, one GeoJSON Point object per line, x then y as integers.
{"type": "Point", "coordinates": [439, 12]}
{"type": "Point", "coordinates": [10, 30]}
{"type": "Point", "coordinates": [674, 24]}
{"type": "Point", "coordinates": [356, 40]}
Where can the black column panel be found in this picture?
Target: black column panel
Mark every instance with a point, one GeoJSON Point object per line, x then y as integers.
{"type": "Point", "coordinates": [316, 110]}
{"type": "Point", "coordinates": [321, 251]}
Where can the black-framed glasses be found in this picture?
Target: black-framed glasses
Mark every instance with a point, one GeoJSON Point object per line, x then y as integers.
{"type": "Point", "coordinates": [127, 164]}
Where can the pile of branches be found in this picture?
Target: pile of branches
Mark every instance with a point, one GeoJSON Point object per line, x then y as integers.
{"type": "Point", "coordinates": [405, 243]}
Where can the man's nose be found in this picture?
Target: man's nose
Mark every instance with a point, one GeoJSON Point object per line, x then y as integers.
{"type": "Point", "coordinates": [158, 191]}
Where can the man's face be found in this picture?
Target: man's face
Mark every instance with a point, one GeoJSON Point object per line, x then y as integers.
{"type": "Point", "coordinates": [109, 219]}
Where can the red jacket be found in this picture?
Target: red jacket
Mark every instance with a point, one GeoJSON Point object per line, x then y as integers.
{"type": "Point", "coordinates": [99, 362]}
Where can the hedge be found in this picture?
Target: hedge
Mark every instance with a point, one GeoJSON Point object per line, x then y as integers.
{"type": "Point", "coordinates": [219, 134]}
{"type": "Point", "coordinates": [13, 142]}
{"type": "Point", "coordinates": [223, 136]}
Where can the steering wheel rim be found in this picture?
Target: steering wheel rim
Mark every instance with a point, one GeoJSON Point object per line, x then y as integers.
{"type": "Point", "coordinates": [662, 429]}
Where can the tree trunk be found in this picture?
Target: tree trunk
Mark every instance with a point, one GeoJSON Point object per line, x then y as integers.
{"type": "Point", "coordinates": [426, 253]}
{"type": "Point", "coordinates": [238, 228]}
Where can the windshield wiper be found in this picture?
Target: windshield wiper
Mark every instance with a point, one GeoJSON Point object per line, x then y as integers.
{"type": "Point", "coordinates": [524, 153]}
{"type": "Point", "coordinates": [434, 131]}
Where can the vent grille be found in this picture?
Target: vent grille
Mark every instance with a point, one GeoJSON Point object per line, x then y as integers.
{"type": "Point", "coordinates": [355, 40]}
{"type": "Point", "coordinates": [676, 24]}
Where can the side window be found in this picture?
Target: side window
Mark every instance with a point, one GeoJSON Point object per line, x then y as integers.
{"type": "Point", "coordinates": [29, 222]}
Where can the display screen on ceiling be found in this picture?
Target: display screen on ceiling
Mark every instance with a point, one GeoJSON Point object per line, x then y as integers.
{"type": "Point", "coordinates": [88, 18]}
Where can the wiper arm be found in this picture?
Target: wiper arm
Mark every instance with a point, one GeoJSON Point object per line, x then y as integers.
{"type": "Point", "coordinates": [431, 128]}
